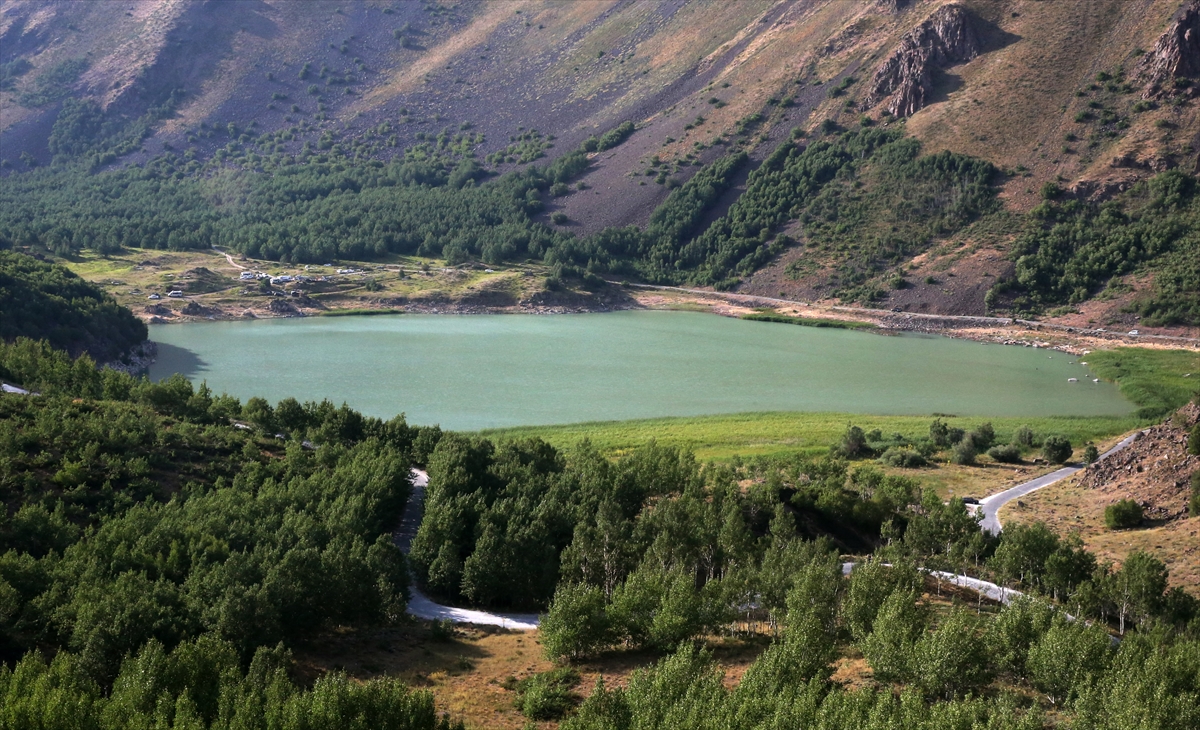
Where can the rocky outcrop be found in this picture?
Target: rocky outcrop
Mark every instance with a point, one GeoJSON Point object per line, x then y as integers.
{"type": "Point", "coordinates": [284, 308]}
{"type": "Point", "coordinates": [1176, 55]}
{"type": "Point", "coordinates": [193, 309]}
{"type": "Point", "coordinates": [892, 6]}
{"type": "Point", "coordinates": [1154, 471]}
{"type": "Point", "coordinates": [905, 79]}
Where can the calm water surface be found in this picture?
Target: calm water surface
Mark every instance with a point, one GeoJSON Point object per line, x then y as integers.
{"type": "Point", "coordinates": [481, 371]}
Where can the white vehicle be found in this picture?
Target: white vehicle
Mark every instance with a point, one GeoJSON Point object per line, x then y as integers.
{"type": "Point", "coordinates": [175, 294]}
{"type": "Point", "coordinates": [247, 275]}
{"type": "Point", "coordinates": [154, 297]}
{"type": "Point", "coordinates": [1133, 332]}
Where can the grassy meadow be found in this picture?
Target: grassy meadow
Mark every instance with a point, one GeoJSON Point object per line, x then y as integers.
{"type": "Point", "coordinates": [722, 437]}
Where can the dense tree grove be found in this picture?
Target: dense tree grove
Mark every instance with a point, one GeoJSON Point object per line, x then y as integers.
{"type": "Point", "coordinates": [46, 301]}
{"type": "Point", "coordinates": [1149, 681]}
{"type": "Point", "coordinates": [908, 199]}
{"type": "Point", "coordinates": [202, 683]}
{"type": "Point", "coordinates": [158, 532]}
{"type": "Point", "coordinates": [1074, 248]}
{"type": "Point", "coordinates": [654, 549]}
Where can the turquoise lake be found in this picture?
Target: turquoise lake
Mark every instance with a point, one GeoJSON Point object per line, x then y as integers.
{"type": "Point", "coordinates": [483, 371]}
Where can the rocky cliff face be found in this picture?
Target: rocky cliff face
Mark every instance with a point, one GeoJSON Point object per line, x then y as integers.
{"type": "Point", "coordinates": [905, 79]}
{"type": "Point", "coordinates": [1176, 55]}
{"type": "Point", "coordinates": [892, 6]}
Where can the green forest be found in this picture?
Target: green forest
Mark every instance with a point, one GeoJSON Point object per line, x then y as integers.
{"type": "Point", "coordinates": [164, 547]}
{"type": "Point", "coordinates": [40, 300]}
{"type": "Point", "coordinates": [864, 200]}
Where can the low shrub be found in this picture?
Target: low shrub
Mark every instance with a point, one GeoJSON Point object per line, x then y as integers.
{"type": "Point", "coordinates": [853, 443]}
{"type": "Point", "coordinates": [1194, 502]}
{"type": "Point", "coordinates": [1008, 454]}
{"type": "Point", "coordinates": [547, 696]}
{"type": "Point", "coordinates": [904, 458]}
{"type": "Point", "coordinates": [1123, 515]}
{"type": "Point", "coordinates": [983, 437]}
{"type": "Point", "coordinates": [1194, 441]}
{"type": "Point", "coordinates": [1090, 454]}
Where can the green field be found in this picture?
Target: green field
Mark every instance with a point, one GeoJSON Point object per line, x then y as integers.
{"type": "Point", "coordinates": [1158, 381]}
{"type": "Point", "coordinates": [749, 434]}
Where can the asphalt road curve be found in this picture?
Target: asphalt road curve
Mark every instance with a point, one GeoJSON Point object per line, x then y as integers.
{"type": "Point", "coordinates": [990, 506]}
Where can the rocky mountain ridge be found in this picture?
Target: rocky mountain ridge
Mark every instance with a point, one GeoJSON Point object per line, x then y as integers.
{"type": "Point", "coordinates": [905, 79]}
{"type": "Point", "coordinates": [1176, 56]}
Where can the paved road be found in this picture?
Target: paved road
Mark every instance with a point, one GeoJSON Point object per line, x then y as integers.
{"type": "Point", "coordinates": [991, 505]}
{"type": "Point", "coordinates": [420, 605]}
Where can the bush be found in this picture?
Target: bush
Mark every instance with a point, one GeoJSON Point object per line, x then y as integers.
{"type": "Point", "coordinates": [547, 696]}
{"type": "Point", "coordinates": [854, 443]}
{"type": "Point", "coordinates": [903, 457]}
{"type": "Point", "coordinates": [559, 218]}
{"type": "Point", "coordinates": [964, 453]}
{"type": "Point", "coordinates": [1010, 454]}
{"type": "Point", "coordinates": [576, 624]}
{"type": "Point", "coordinates": [983, 437]}
{"type": "Point", "coordinates": [1056, 449]}
{"type": "Point", "coordinates": [1194, 502]}
{"type": "Point", "coordinates": [1091, 454]}
{"type": "Point", "coordinates": [1024, 436]}
{"type": "Point", "coordinates": [939, 433]}
{"type": "Point", "coordinates": [1123, 515]}
{"type": "Point", "coordinates": [1194, 441]}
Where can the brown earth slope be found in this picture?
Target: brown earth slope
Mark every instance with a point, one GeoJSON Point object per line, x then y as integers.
{"type": "Point", "coordinates": [1154, 471]}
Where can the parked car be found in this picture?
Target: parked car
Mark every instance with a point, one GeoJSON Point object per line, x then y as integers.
{"type": "Point", "coordinates": [175, 294]}
{"type": "Point", "coordinates": [154, 296]}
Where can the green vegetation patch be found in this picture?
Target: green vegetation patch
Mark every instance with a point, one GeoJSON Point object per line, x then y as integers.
{"type": "Point", "coordinates": [1153, 379]}
{"type": "Point", "coordinates": [726, 436]}
{"type": "Point", "coordinates": [810, 321]}
{"type": "Point", "coordinates": [1074, 248]}
{"type": "Point", "coordinates": [54, 83]}
{"type": "Point", "coordinates": [46, 301]}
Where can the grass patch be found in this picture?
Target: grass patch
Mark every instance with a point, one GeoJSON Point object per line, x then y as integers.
{"type": "Point", "coordinates": [746, 434]}
{"type": "Point", "coordinates": [1153, 379]}
{"type": "Point", "coordinates": [359, 312]}
{"type": "Point", "coordinates": [810, 321]}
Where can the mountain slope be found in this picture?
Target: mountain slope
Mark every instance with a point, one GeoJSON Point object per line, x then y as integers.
{"type": "Point", "coordinates": [1093, 109]}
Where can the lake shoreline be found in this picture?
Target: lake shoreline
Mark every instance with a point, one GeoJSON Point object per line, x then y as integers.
{"type": "Point", "coordinates": [479, 372]}
{"type": "Point", "coordinates": [617, 298]}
